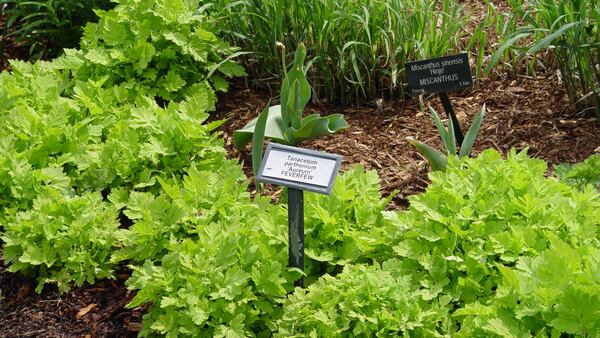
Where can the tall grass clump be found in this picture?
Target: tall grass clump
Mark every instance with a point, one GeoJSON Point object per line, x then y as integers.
{"type": "Point", "coordinates": [571, 30]}
{"type": "Point", "coordinates": [495, 28]}
{"type": "Point", "coordinates": [357, 48]}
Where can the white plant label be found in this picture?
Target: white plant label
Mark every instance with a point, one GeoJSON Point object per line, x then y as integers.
{"type": "Point", "coordinates": [299, 168]}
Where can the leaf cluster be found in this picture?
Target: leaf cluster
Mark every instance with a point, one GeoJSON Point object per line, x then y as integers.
{"type": "Point", "coordinates": [210, 260]}
{"type": "Point", "coordinates": [62, 239]}
{"type": "Point", "coordinates": [363, 301]}
{"type": "Point", "coordinates": [554, 293]}
{"type": "Point", "coordinates": [347, 225]}
{"type": "Point", "coordinates": [81, 125]}
{"type": "Point", "coordinates": [164, 47]}
{"type": "Point", "coordinates": [580, 174]}
{"type": "Point", "coordinates": [492, 248]}
{"type": "Point", "coordinates": [487, 213]}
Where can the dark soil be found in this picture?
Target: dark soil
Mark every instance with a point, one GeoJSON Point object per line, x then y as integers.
{"type": "Point", "coordinates": [90, 311]}
{"type": "Point", "coordinates": [522, 113]}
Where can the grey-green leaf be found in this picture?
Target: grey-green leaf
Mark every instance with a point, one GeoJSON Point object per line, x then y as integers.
{"type": "Point", "coordinates": [436, 159]}
{"type": "Point", "coordinates": [467, 145]}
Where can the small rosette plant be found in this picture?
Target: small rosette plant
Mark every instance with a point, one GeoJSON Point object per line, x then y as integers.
{"type": "Point", "coordinates": [284, 123]}
{"type": "Point", "coordinates": [439, 160]}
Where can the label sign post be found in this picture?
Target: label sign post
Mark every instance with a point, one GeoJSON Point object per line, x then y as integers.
{"type": "Point", "coordinates": [298, 169]}
{"type": "Point", "coordinates": [441, 75]}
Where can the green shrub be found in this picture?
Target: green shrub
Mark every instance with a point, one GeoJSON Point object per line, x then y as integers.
{"type": "Point", "coordinates": [580, 174]}
{"type": "Point", "coordinates": [62, 239]}
{"type": "Point", "coordinates": [346, 226]}
{"type": "Point", "coordinates": [204, 196]}
{"type": "Point", "coordinates": [223, 274]}
{"type": "Point", "coordinates": [484, 216]}
{"type": "Point", "coordinates": [492, 248]}
{"type": "Point", "coordinates": [99, 139]}
{"type": "Point", "coordinates": [363, 301]}
{"type": "Point", "coordinates": [79, 126]}
{"type": "Point", "coordinates": [552, 294]}
{"type": "Point", "coordinates": [48, 26]}
{"type": "Point", "coordinates": [160, 48]}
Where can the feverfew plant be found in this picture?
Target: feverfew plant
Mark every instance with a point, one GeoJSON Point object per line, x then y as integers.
{"type": "Point", "coordinates": [227, 278]}
{"type": "Point", "coordinates": [160, 48]}
{"type": "Point", "coordinates": [484, 216]}
{"type": "Point", "coordinates": [554, 293]}
{"type": "Point", "coordinates": [346, 226]}
{"type": "Point", "coordinates": [363, 301]}
{"type": "Point", "coordinates": [62, 239]}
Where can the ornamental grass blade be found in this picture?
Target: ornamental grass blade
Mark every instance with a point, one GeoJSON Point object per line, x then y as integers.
{"type": "Point", "coordinates": [258, 138]}
{"type": "Point", "coordinates": [500, 51]}
{"type": "Point", "coordinates": [467, 145]}
{"type": "Point", "coordinates": [436, 159]}
{"type": "Point", "coordinates": [543, 43]}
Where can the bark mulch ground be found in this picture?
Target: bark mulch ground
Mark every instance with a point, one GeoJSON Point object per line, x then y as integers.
{"type": "Point", "coordinates": [522, 113]}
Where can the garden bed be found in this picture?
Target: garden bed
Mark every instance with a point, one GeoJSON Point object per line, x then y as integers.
{"type": "Point", "coordinates": [522, 112]}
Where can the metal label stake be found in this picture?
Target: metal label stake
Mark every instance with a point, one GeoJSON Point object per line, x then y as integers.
{"type": "Point", "coordinates": [298, 169]}
{"type": "Point", "coordinates": [296, 230]}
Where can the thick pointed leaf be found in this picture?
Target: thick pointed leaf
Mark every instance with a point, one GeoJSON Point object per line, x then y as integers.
{"type": "Point", "coordinates": [436, 159]}
{"type": "Point", "coordinates": [451, 149]}
{"type": "Point", "coordinates": [295, 116]}
{"type": "Point", "coordinates": [314, 126]}
{"type": "Point", "coordinates": [274, 129]}
{"type": "Point", "coordinates": [445, 135]}
{"type": "Point", "coordinates": [258, 137]}
{"type": "Point", "coordinates": [467, 145]}
{"type": "Point", "coordinates": [295, 91]}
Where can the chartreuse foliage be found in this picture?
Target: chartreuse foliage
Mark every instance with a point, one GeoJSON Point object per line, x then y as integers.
{"type": "Point", "coordinates": [492, 248]}
{"type": "Point", "coordinates": [88, 124]}
{"type": "Point", "coordinates": [556, 292]}
{"type": "Point", "coordinates": [160, 47]}
{"type": "Point", "coordinates": [216, 263]}
{"type": "Point", "coordinates": [363, 301]}
{"type": "Point", "coordinates": [182, 208]}
{"type": "Point", "coordinates": [227, 280]}
{"type": "Point", "coordinates": [581, 174]}
{"type": "Point", "coordinates": [93, 136]}
{"type": "Point", "coordinates": [346, 226]}
{"type": "Point", "coordinates": [485, 215]}
{"type": "Point", "coordinates": [62, 239]}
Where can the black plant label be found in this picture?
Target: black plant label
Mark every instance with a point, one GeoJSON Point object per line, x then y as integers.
{"type": "Point", "coordinates": [440, 74]}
